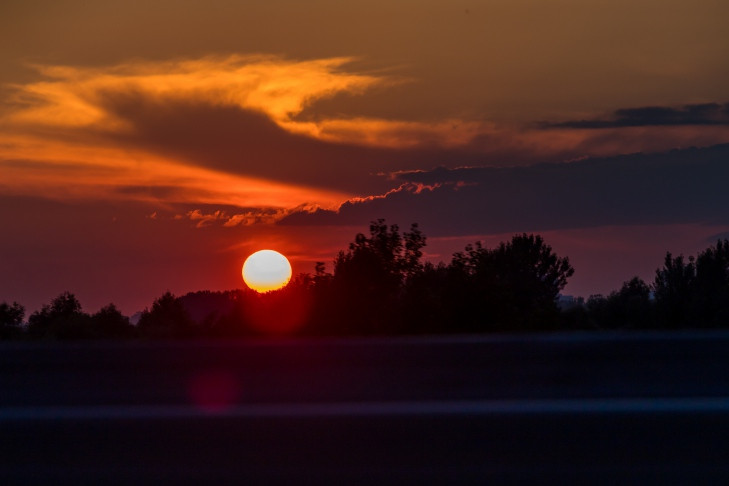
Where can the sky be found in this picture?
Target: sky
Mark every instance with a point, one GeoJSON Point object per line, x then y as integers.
{"type": "Point", "coordinates": [151, 146]}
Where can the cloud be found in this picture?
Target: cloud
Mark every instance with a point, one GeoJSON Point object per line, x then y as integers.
{"type": "Point", "coordinates": [682, 186]}
{"type": "Point", "coordinates": [280, 89]}
{"type": "Point", "coordinates": [73, 96]}
{"type": "Point", "coordinates": [62, 170]}
{"type": "Point", "coordinates": [697, 114]}
{"type": "Point", "coordinates": [233, 115]}
{"type": "Point", "coordinates": [230, 219]}
{"type": "Point", "coordinates": [712, 239]}
{"type": "Point", "coordinates": [234, 131]}
{"type": "Point", "coordinates": [202, 220]}
{"type": "Point", "coordinates": [242, 142]}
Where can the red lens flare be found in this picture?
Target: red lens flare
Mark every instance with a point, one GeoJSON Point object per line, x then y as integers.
{"type": "Point", "coordinates": [214, 391]}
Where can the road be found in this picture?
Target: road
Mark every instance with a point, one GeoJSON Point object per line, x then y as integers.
{"type": "Point", "coordinates": [534, 409]}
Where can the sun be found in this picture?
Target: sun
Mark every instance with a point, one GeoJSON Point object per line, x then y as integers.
{"type": "Point", "coordinates": [266, 270]}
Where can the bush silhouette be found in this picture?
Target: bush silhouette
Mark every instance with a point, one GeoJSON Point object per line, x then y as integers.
{"type": "Point", "coordinates": [168, 318]}
{"type": "Point", "coordinates": [11, 319]}
{"type": "Point", "coordinates": [109, 323]}
{"type": "Point", "coordinates": [61, 319]}
{"type": "Point", "coordinates": [513, 286]}
{"type": "Point", "coordinates": [694, 292]}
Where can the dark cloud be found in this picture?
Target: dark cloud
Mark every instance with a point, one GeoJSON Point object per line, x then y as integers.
{"type": "Point", "coordinates": [699, 114]}
{"type": "Point", "coordinates": [712, 239]}
{"type": "Point", "coordinates": [681, 186]}
{"type": "Point", "coordinates": [247, 142]}
{"type": "Point", "coordinates": [235, 141]}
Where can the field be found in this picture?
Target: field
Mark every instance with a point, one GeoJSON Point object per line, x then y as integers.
{"type": "Point", "coordinates": [537, 409]}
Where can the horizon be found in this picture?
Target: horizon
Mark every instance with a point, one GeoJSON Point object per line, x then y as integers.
{"type": "Point", "coordinates": [562, 298]}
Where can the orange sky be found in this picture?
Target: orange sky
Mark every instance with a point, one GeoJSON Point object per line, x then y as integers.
{"type": "Point", "coordinates": [218, 127]}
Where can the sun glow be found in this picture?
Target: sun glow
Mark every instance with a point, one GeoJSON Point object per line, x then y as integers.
{"type": "Point", "coordinates": [266, 270]}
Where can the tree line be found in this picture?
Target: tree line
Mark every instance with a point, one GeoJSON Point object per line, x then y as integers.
{"type": "Point", "coordinates": [381, 285]}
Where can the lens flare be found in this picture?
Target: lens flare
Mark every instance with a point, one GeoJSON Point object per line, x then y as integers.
{"type": "Point", "coordinates": [213, 391]}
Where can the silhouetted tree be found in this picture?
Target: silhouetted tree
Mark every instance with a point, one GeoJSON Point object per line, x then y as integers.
{"type": "Point", "coordinates": [61, 319]}
{"type": "Point", "coordinates": [674, 286]}
{"type": "Point", "coordinates": [694, 293]}
{"type": "Point", "coordinates": [573, 314]}
{"type": "Point", "coordinates": [628, 308]}
{"type": "Point", "coordinates": [11, 319]}
{"type": "Point", "coordinates": [206, 308]}
{"type": "Point", "coordinates": [245, 312]}
{"type": "Point", "coordinates": [598, 316]}
{"type": "Point", "coordinates": [515, 285]}
{"type": "Point", "coordinates": [167, 319]}
{"type": "Point", "coordinates": [365, 288]}
{"type": "Point", "coordinates": [433, 301]}
{"type": "Point", "coordinates": [280, 312]}
{"type": "Point", "coordinates": [231, 323]}
{"type": "Point", "coordinates": [711, 296]}
{"type": "Point", "coordinates": [384, 256]}
{"type": "Point", "coordinates": [322, 316]}
{"type": "Point", "coordinates": [109, 322]}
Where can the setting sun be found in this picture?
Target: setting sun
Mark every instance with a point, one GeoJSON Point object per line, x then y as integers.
{"type": "Point", "coordinates": [266, 270]}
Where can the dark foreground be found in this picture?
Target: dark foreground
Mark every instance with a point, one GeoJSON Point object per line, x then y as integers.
{"type": "Point", "coordinates": [559, 409]}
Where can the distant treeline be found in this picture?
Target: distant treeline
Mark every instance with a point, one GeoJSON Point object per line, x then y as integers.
{"type": "Point", "coordinates": [380, 285]}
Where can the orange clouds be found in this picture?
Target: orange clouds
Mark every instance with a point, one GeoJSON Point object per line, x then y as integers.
{"type": "Point", "coordinates": [83, 97]}
{"type": "Point", "coordinates": [396, 134]}
{"type": "Point", "coordinates": [247, 218]}
{"type": "Point", "coordinates": [214, 130]}
{"type": "Point", "coordinates": [232, 131]}
{"type": "Point", "coordinates": [54, 139]}
{"type": "Point", "coordinates": [59, 169]}
{"type": "Point", "coordinates": [75, 96]}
